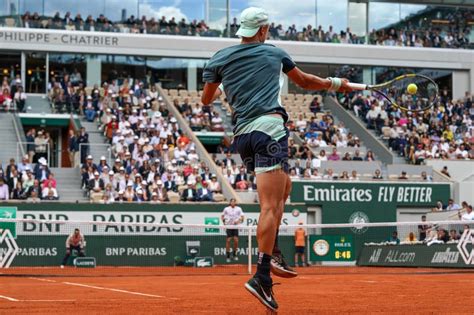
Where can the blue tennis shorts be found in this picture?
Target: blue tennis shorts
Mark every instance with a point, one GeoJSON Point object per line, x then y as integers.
{"type": "Point", "coordinates": [263, 145]}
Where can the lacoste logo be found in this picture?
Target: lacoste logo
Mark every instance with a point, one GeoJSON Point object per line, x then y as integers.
{"type": "Point", "coordinates": [467, 238]}
{"type": "Point", "coordinates": [203, 263]}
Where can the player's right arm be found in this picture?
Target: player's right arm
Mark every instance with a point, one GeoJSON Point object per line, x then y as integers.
{"type": "Point", "coordinates": [312, 82]}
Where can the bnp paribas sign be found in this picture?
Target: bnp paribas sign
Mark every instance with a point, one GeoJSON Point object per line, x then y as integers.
{"type": "Point", "coordinates": [411, 194]}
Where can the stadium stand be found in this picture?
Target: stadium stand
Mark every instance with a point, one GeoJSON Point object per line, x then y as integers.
{"type": "Point", "coordinates": [434, 26]}
{"type": "Point", "coordinates": [154, 159]}
{"type": "Point", "coordinates": [445, 132]}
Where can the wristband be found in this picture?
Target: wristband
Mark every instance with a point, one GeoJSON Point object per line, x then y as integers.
{"type": "Point", "coordinates": [335, 84]}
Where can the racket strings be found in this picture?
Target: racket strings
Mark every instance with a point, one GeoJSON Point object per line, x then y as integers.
{"type": "Point", "coordinates": [424, 98]}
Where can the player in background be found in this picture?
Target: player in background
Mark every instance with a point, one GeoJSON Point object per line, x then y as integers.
{"type": "Point", "coordinates": [75, 241]}
{"type": "Point", "coordinates": [232, 215]}
{"type": "Point", "coordinates": [251, 77]}
{"type": "Point", "coordinates": [300, 245]}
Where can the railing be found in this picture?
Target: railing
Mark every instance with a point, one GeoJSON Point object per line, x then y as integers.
{"type": "Point", "coordinates": [20, 135]}
{"type": "Point", "coordinates": [85, 149]}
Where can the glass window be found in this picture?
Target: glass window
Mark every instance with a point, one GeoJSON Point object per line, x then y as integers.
{"type": "Point", "coordinates": [173, 72]}
{"type": "Point", "coordinates": [32, 6]}
{"type": "Point", "coordinates": [122, 67]}
{"type": "Point", "coordinates": [185, 9]}
{"type": "Point", "coordinates": [358, 18]}
{"type": "Point", "coordinates": [35, 72]}
{"type": "Point", "coordinates": [384, 14]}
{"type": "Point", "coordinates": [9, 7]}
{"type": "Point", "coordinates": [11, 64]}
{"type": "Point", "coordinates": [330, 12]}
{"type": "Point", "coordinates": [73, 65]}
{"type": "Point", "coordinates": [284, 12]}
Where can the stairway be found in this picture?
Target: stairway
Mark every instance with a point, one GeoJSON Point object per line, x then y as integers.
{"type": "Point", "coordinates": [69, 184]}
{"type": "Point", "coordinates": [97, 142]}
{"type": "Point", "coordinates": [8, 140]}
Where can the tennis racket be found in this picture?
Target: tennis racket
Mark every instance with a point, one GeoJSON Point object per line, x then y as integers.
{"type": "Point", "coordinates": [409, 92]}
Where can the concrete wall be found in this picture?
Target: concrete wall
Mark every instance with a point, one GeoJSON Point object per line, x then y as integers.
{"type": "Point", "coordinates": [462, 174]}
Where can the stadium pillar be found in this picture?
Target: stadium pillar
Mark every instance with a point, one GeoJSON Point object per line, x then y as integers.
{"type": "Point", "coordinates": [462, 82]}
{"type": "Point", "coordinates": [94, 70]}
{"type": "Point", "coordinates": [192, 76]}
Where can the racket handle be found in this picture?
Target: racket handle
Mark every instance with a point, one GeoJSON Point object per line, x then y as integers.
{"type": "Point", "coordinates": [358, 86]}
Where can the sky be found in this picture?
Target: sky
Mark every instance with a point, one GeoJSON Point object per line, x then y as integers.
{"type": "Point", "coordinates": [285, 12]}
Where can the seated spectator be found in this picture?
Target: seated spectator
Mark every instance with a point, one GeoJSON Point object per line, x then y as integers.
{"type": "Point", "coordinates": [354, 175]}
{"type": "Point", "coordinates": [468, 216]}
{"type": "Point", "coordinates": [344, 175]}
{"type": "Point", "coordinates": [216, 122]}
{"type": "Point", "coordinates": [394, 238]}
{"type": "Point", "coordinates": [403, 175]}
{"type": "Point", "coordinates": [49, 192]}
{"type": "Point", "coordinates": [445, 171]}
{"type": "Point", "coordinates": [51, 180]}
{"type": "Point", "coordinates": [33, 198]}
{"type": "Point", "coordinates": [377, 175]}
{"type": "Point", "coordinates": [190, 193]}
{"type": "Point", "coordinates": [329, 174]}
{"type": "Point", "coordinates": [204, 193]}
{"type": "Point", "coordinates": [214, 185]}
{"type": "Point", "coordinates": [411, 238]}
{"type": "Point", "coordinates": [334, 155]}
{"type": "Point", "coordinates": [96, 187]}
{"type": "Point", "coordinates": [425, 177]}
{"type": "Point", "coordinates": [315, 106]}
{"type": "Point", "coordinates": [370, 156]}
{"type": "Point", "coordinates": [241, 180]}
{"type": "Point", "coordinates": [439, 207]}
{"type": "Point", "coordinates": [454, 236]}
{"type": "Point", "coordinates": [4, 191]}
{"type": "Point", "coordinates": [452, 205]}
{"type": "Point", "coordinates": [347, 157]}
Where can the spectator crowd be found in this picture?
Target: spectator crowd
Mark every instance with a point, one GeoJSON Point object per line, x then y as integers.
{"type": "Point", "coordinates": [153, 159]}
{"type": "Point", "coordinates": [446, 131]}
{"type": "Point", "coordinates": [27, 181]}
{"type": "Point", "coordinates": [432, 27]}
{"type": "Point", "coordinates": [12, 94]}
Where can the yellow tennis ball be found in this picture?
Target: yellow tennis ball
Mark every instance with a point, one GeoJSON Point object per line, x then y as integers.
{"type": "Point", "coordinates": [412, 88]}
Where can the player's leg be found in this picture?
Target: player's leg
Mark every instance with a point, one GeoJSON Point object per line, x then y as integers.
{"type": "Point", "coordinates": [270, 196]}
{"type": "Point", "coordinates": [303, 259]}
{"type": "Point", "coordinates": [296, 259]}
{"type": "Point", "coordinates": [279, 266]}
{"type": "Point", "coordinates": [227, 245]}
{"type": "Point", "coordinates": [236, 245]}
{"type": "Point", "coordinates": [66, 257]}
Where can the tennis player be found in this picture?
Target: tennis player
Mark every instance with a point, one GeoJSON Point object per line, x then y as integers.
{"type": "Point", "coordinates": [250, 74]}
{"type": "Point", "coordinates": [232, 215]}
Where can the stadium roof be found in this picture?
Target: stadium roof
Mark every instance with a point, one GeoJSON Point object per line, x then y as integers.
{"type": "Point", "coordinates": [469, 3]}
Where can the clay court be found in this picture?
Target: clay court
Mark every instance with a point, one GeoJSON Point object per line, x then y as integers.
{"type": "Point", "coordinates": [318, 290]}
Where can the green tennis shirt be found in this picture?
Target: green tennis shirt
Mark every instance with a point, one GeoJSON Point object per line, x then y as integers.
{"type": "Point", "coordinates": [252, 76]}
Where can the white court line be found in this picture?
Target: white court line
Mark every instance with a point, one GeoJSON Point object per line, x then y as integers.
{"type": "Point", "coordinates": [41, 279]}
{"type": "Point", "coordinates": [48, 300]}
{"type": "Point", "coordinates": [8, 298]}
{"type": "Point", "coordinates": [111, 289]}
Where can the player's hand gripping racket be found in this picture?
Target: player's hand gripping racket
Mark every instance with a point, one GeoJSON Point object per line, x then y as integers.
{"type": "Point", "coordinates": [409, 92]}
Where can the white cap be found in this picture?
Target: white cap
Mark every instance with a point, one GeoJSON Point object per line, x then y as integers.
{"type": "Point", "coordinates": [102, 158]}
{"type": "Point", "coordinates": [89, 157]}
{"type": "Point", "coordinates": [96, 173]}
{"type": "Point", "coordinates": [111, 173]}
